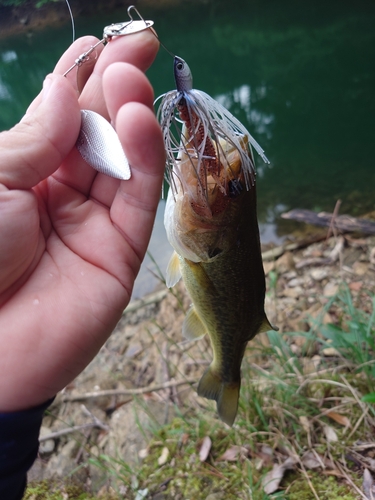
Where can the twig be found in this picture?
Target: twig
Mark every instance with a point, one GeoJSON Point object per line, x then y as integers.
{"type": "Point", "coordinates": [69, 430]}
{"type": "Point", "coordinates": [129, 392]}
{"type": "Point", "coordinates": [319, 261]}
{"type": "Point", "coordinates": [332, 227]}
{"type": "Point", "coordinates": [347, 477]}
{"type": "Point", "coordinates": [304, 471]}
{"type": "Point", "coordinates": [95, 419]}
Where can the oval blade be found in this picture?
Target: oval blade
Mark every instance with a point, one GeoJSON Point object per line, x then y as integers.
{"type": "Point", "coordinates": [100, 146]}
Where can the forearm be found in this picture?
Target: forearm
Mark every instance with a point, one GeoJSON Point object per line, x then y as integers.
{"type": "Point", "coordinates": [19, 432]}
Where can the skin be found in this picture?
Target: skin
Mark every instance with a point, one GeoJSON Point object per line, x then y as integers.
{"type": "Point", "coordinates": [72, 240]}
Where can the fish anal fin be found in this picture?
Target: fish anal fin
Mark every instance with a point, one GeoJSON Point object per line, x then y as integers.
{"type": "Point", "coordinates": [173, 271]}
{"type": "Point", "coordinates": [266, 326]}
{"type": "Point", "coordinates": [192, 327]}
{"type": "Point", "coordinates": [225, 394]}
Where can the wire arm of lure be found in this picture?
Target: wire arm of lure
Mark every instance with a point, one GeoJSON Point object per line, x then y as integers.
{"type": "Point", "coordinates": [83, 57]}
{"type": "Point", "coordinates": [115, 29]}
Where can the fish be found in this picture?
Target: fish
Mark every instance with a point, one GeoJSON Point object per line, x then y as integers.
{"type": "Point", "coordinates": [211, 223]}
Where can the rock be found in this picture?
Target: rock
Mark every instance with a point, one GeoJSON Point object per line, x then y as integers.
{"type": "Point", "coordinates": [295, 282]}
{"type": "Point", "coordinates": [330, 289]}
{"type": "Point", "coordinates": [62, 464]}
{"type": "Point", "coordinates": [285, 263]}
{"type": "Point", "coordinates": [46, 447]}
{"type": "Point", "coordinates": [293, 292]}
{"type": "Point", "coordinates": [268, 267]}
{"type": "Point", "coordinates": [360, 268]}
{"type": "Point", "coordinates": [131, 428]}
{"type": "Point", "coordinates": [318, 274]}
{"type": "Point", "coordinates": [133, 350]}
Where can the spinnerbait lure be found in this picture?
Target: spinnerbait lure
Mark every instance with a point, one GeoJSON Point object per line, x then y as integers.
{"type": "Point", "coordinates": [202, 127]}
{"type": "Point", "coordinates": [98, 142]}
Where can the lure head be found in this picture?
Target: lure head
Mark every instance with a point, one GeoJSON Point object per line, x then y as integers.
{"type": "Point", "coordinates": [182, 75]}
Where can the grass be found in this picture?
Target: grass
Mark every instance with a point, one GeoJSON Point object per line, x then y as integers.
{"type": "Point", "coordinates": [321, 420]}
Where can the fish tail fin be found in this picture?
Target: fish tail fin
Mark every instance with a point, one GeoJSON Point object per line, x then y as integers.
{"type": "Point", "coordinates": [226, 394]}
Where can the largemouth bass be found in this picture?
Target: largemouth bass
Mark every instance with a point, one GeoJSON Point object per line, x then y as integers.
{"type": "Point", "coordinates": [211, 222]}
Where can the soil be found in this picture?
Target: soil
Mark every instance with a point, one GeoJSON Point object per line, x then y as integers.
{"type": "Point", "coordinates": [147, 349]}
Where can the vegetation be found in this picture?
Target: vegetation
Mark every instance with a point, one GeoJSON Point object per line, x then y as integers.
{"type": "Point", "coordinates": [304, 429]}
{"type": "Point", "coordinates": [17, 3]}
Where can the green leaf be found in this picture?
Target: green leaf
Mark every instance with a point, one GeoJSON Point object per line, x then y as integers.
{"type": "Point", "coordinates": [369, 398]}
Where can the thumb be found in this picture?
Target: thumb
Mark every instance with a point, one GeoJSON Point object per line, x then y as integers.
{"type": "Point", "coordinates": [35, 148]}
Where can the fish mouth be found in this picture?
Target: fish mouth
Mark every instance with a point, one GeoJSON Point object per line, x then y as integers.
{"type": "Point", "coordinates": [212, 181]}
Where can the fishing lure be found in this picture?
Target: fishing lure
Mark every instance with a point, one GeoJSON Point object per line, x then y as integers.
{"type": "Point", "coordinates": [98, 142]}
{"type": "Point", "coordinates": [197, 126]}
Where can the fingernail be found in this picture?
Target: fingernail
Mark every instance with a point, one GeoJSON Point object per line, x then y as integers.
{"type": "Point", "coordinates": [47, 86]}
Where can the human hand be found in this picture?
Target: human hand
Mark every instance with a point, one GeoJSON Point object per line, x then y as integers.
{"type": "Point", "coordinates": [72, 240]}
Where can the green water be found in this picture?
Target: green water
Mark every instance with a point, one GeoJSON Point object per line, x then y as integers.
{"type": "Point", "coordinates": [300, 77]}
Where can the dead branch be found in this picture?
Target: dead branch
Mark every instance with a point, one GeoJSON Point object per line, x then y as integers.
{"type": "Point", "coordinates": [345, 223]}
{"type": "Point", "coordinates": [69, 430]}
{"type": "Point", "coordinates": [129, 392]}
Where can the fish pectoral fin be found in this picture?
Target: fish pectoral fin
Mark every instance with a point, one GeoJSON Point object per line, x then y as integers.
{"type": "Point", "coordinates": [226, 395]}
{"type": "Point", "coordinates": [173, 271]}
{"type": "Point", "coordinates": [266, 326]}
{"type": "Point", "coordinates": [192, 327]}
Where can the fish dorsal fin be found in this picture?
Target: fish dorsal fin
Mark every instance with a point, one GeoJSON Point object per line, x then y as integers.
{"type": "Point", "coordinates": [266, 326]}
{"type": "Point", "coordinates": [173, 271]}
{"type": "Point", "coordinates": [192, 327]}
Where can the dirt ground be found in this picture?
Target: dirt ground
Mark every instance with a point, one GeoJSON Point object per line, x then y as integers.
{"type": "Point", "coordinates": [146, 350]}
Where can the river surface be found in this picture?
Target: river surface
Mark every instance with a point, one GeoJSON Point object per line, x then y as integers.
{"type": "Point", "coordinates": [301, 78]}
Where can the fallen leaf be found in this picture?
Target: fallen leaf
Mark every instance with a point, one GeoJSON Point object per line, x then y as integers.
{"type": "Point", "coordinates": [272, 479]}
{"type": "Point", "coordinates": [233, 453]}
{"type": "Point", "coordinates": [330, 351]}
{"type": "Point", "coordinates": [304, 421]}
{"type": "Point", "coordinates": [143, 453]}
{"type": "Point", "coordinates": [332, 472]}
{"type": "Point", "coordinates": [310, 461]}
{"type": "Point", "coordinates": [368, 485]}
{"type": "Point", "coordinates": [164, 456]}
{"type": "Point", "coordinates": [185, 438]}
{"type": "Point", "coordinates": [330, 434]}
{"type": "Point", "coordinates": [340, 419]}
{"type": "Point", "coordinates": [205, 449]}
{"type": "Point", "coordinates": [355, 286]}
{"type": "Point", "coordinates": [141, 494]}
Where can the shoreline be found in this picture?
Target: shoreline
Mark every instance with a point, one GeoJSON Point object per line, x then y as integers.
{"type": "Point", "coordinates": [27, 19]}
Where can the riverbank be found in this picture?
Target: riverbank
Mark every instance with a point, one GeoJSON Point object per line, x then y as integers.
{"type": "Point", "coordinates": [145, 374]}
{"type": "Point", "coordinates": [27, 19]}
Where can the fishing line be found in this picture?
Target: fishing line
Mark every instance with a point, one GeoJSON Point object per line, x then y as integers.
{"type": "Point", "coordinates": [72, 19]}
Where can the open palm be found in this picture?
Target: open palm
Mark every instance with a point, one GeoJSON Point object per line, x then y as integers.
{"type": "Point", "coordinates": [72, 240]}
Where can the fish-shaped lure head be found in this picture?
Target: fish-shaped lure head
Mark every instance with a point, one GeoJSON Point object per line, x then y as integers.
{"type": "Point", "coordinates": [182, 75]}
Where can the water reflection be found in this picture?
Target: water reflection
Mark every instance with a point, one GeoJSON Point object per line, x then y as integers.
{"type": "Point", "coordinates": [240, 99]}
{"type": "Point", "coordinates": [299, 78]}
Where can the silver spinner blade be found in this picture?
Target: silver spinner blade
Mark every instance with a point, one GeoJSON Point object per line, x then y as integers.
{"type": "Point", "coordinates": [100, 146]}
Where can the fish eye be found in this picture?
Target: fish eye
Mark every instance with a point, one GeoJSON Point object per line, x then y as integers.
{"type": "Point", "coordinates": [180, 66]}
